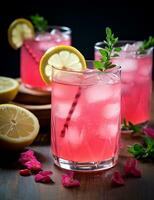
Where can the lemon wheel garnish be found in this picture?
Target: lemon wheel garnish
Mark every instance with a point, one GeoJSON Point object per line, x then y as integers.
{"type": "Point", "coordinates": [18, 127]}
{"type": "Point", "coordinates": [8, 89]}
{"type": "Point", "coordinates": [61, 57]}
{"type": "Point", "coordinates": [20, 30]}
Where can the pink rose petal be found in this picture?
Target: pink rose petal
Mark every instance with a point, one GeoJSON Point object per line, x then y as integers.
{"type": "Point", "coordinates": [25, 172]}
{"type": "Point", "coordinates": [117, 179]}
{"type": "Point", "coordinates": [33, 165]}
{"type": "Point", "coordinates": [68, 181]}
{"type": "Point", "coordinates": [26, 156]}
{"type": "Point", "coordinates": [149, 132]}
{"type": "Point", "coordinates": [43, 177]}
{"type": "Point", "coordinates": [130, 167]}
{"type": "Point", "coordinates": [45, 173]}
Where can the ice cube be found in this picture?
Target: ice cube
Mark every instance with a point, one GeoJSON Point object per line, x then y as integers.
{"type": "Point", "coordinates": [98, 92]}
{"type": "Point", "coordinates": [56, 35]}
{"type": "Point", "coordinates": [107, 131]}
{"type": "Point", "coordinates": [62, 110]}
{"type": "Point", "coordinates": [109, 78]}
{"type": "Point", "coordinates": [127, 64]}
{"type": "Point", "coordinates": [73, 136]}
{"type": "Point", "coordinates": [111, 110]}
{"type": "Point", "coordinates": [130, 47]}
{"type": "Point", "coordinates": [43, 37]}
{"type": "Point", "coordinates": [90, 77]}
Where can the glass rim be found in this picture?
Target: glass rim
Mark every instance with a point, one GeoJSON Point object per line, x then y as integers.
{"type": "Point", "coordinates": [66, 29]}
{"type": "Point", "coordinates": [97, 45]}
{"type": "Point", "coordinates": [119, 41]}
{"type": "Point", "coordinates": [113, 70]}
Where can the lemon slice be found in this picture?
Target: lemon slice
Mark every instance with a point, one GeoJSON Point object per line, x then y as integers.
{"type": "Point", "coordinates": [20, 30]}
{"type": "Point", "coordinates": [8, 89]}
{"type": "Point", "coordinates": [18, 127]}
{"type": "Point", "coordinates": [61, 57]}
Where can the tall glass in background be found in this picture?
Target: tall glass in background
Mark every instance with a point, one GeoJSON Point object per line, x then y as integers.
{"type": "Point", "coordinates": [85, 118]}
{"type": "Point", "coordinates": [136, 80]}
{"type": "Point", "coordinates": [32, 51]}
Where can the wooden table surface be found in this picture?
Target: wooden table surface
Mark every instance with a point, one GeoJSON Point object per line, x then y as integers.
{"type": "Point", "coordinates": [93, 186]}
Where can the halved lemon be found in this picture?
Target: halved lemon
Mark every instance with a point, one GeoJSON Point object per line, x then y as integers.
{"type": "Point", "coordinates": [18, 127]}
{"type": "Point", "coordinates": [8, 89]}
{"type": "Point", "coordinates": [61, 57]}
{"type": "Point", "coordinates": [20, 30]}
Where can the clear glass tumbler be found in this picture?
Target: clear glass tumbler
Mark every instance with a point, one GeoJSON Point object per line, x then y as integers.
{"type": "Point", "coordinates": [136, 78]}
{"type": "Point", "coordinates": [85, 118]}
{"type": "Point", "coordinates": [33, 50]}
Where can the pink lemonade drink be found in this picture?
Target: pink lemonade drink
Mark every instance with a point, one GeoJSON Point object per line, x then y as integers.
{"type": "Point", "coordinates": [136, 80]}
{"type": "Point", "coordinates": [32, 51]}
{"type": "Point", "coordinates": [85, 119]}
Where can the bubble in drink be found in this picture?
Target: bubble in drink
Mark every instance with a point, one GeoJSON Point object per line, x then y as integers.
{"type": "Point", "coordinates": [127, 64]}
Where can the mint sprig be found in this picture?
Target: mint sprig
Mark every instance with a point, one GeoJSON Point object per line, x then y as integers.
{"type": "Point", "coordinates": [146, 45]}
{"type": "Point", "coordinates": [39, 22]}
{"type": "Point", "coordinates": [130, 126]}
{"type": "Point", "coordinates": [107, 52]}
{"type": "Point", "coordinates": [143, 151]}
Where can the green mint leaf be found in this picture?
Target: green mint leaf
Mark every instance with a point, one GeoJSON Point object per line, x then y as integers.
{"type": "Point", "coordinates": [134, 128]}
{"type": "Point", "coordinates": [103, 52]}
{"type": "Point", "coordinates": [137, 150]}
{"type": "Point", "coordinates": [98, 65]}
{"type": "Point", "coordinates": [130, 126]}
{"type": "Point", "coordinates": [149, 142]}
{"type": "Point", "coordinates": [146, 45]}
{"type": "Point", "coordinates": [40, 24]}
{"type": "Point", "coordinates": [117, 49]}
{"type": "Point", "coordinates": [108, 32]}
{"type": "Point", "coordinates": [106, 52]}
{"type": "Point", "coordinates": [144, 151]}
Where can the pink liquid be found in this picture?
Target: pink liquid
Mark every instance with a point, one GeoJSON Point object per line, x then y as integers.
{"type": "Point", "coordinates": [93, 131]}
{"type": "Point", "coordinates": [31, 53]}
{"type": "Point", "coordinates": [136, 86]}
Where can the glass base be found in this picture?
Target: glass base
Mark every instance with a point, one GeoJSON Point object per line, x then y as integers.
{"type": "Point", "coordinates": [87, 166]}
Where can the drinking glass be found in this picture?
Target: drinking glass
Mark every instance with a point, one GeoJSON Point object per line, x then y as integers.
{"type": "Point", "coordinates": [33, 50]}
{"type": "Point", "coordinates": [136, 78]}
{"type": "Point", "coordinates": [85, 118]}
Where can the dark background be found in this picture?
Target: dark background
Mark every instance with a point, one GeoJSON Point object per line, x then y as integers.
{"type": "Point", "coordinates": [86, 19]}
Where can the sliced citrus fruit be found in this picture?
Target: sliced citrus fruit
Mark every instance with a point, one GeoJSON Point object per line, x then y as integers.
{"type": "Point", "coordinates": [19, 30]}
{"type": "Point", "coordinates": [18, 127]}
{"type": "Point", "coordinates": [8, 89]}
{"type": "Point", "coordinates": [61, 57]}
